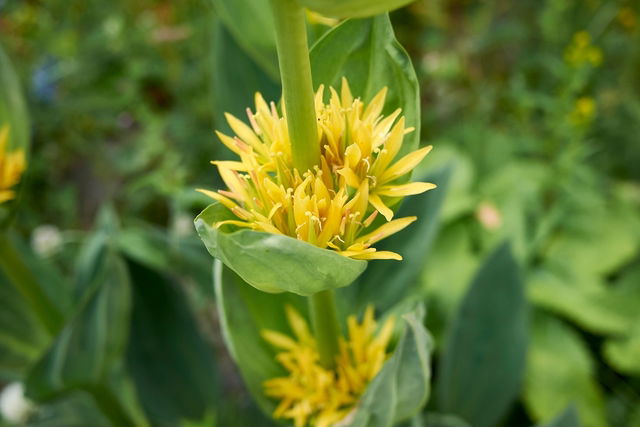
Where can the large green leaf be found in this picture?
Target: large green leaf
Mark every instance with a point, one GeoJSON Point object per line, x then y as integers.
{"type": "Point", "coordinates": [366, 52]}
{"type": "Point", "coordinates": [402, 387]}
{"type": "Point", "coordinates": [586, 300]}
{"type": "Point", "coordinates": [560, 371]}
{"type": "Point", "coordinates": [35, 298]}
{"type": "Point", "coordinates": [13, 112]}
{"type": "Point", "coordinates": [251, 24]}
{"type": "Point", "coordinates": [272, 262]}
{"type": "Point", "coordinates": [22, 336]}
{"type": "Point", "coordinates": [168, 358]}
{"type": "Point", "coordinates": [236, 79]}
{"type": "Point", "coordinates": [485, 348]}
{"type": "Point", "coordinates": [90, 345]}
{"type": "Point", "coordinates": [353, 8]}
{"type": "Point", "coordinates": [244, 312]}
{"type": "Point", "coordinates": [76, 410]}
{"type": "Point", "coordinates": [387, 283]}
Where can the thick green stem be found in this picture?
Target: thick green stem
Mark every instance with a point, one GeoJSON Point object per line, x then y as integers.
{"type": "Point", "coordinates": [18, 273]}
{"type": "Point", "coordinates": [324, 317]}
{"type": "Point", "coordinates": [297, 87]}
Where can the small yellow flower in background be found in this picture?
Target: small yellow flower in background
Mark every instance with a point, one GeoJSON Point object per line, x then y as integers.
{"type": "Point", "coordinates": [312, 394]}
{"type": "Point", "coordinates": [627, 18]}
{"type": "Point", "coordinates": [334, 205]}
{"type": "Point", "coordinates": [583, 112]}
{"type": "Point", "coordinates": [12, 164]}
{"type": "Point", "coordinates": [581, 51]}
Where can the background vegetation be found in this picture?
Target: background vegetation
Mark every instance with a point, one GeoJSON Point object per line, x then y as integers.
{"type": "Point", "coordinates": [534, 111]}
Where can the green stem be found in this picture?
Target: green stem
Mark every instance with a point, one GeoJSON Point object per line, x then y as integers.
{"type": "Point", "coordinates": [324, 317]}
{"type": "Point", "coordinates": [297, 87]}
{"type": "Point", "coordinates": [18, 273]}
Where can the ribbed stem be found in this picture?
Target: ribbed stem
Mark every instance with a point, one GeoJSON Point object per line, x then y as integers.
{"type": "Point", "coordinates": [324, 317]}
{"type": "Point", "coordinates": [19, 274]}
{"type": "Point", "coordinates": [297, 86]}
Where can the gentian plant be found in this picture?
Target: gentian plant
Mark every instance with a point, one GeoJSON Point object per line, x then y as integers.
{"type": "Point", "coordinates": [314, 188]}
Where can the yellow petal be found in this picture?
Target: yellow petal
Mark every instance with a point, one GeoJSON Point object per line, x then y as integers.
{"type": "Point", "coordinates": [347, 98]}
{"type": "Point", "coordinates": [228, 203]}
{"type": "Point", "coordinates": [386, 230]}
{"type": "Point", "coordinates": [246, 134]}
{"type": "Point", "coordinates": [377, 203]}
{"type": "Point", "coordinates": [278, 340]}
{"type": "Point", "coordinates": [236, 166]}
{"type": "Point", "coordinates": [375, 106]}
{"type": "Point", "coordinates": [409, 189]}
{"type": "Point", "coordinates": [378, 255]}
{"type": "Point", "coordinates": [404, 165]}
{"type": "Point", "coordinates": [350, 177]}
{"type": "Point", "coordinates": [299, 326]}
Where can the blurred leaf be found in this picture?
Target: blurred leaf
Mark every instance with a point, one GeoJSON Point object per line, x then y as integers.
{"type": "Point", "coordinates": [87, 353]}
{"type": "Point", "coordinates": [568, 418]}
{"type": "Point", "coordinates": [13, 112]}
{"type": "Point", "coordinates": [353, 8]}
{"type": "Point", "coordinates": [386, 283]}
{"type": "Point", "coordinates": [366, 52]}
{"type": "Point", "coordinates": [560, 372]}
{"type": "Point", "coordinates": [251, 24]}
{"type": "Point", "coordinates": [164, 333]}
{"type": "Point", "coordinates": [485, 348]}
{"type": "Point", "coordinates": [434, 419]}
{"type": "Point", "coordinates": [402, 387]}
{"type": "Point", "coordinates": [22, 336]}
{"type": "Point", "coordinates": [244, 312]}
{"type": "Point", "coordinates": [91, 344]}
{"type": "Point", "coordinates": [586, 300]}
{"type": "Point", "coordinates": [272, 262]}
{"type": "Point", "coordinates": [77, 410]}
{"type": "Point", "coordinates": [624, 353]}
{"type": "Point", "coordinates": [158, 250]}
{"type": "Point", "coordinates": [236, 80]}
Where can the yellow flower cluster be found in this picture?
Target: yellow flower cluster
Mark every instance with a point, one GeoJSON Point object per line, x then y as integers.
{"type": "Point", "coordinates": [583, 111]}
{"type": "Point", "coordinates": [316, 395]}
{"type": "Point", "coordinates": [334, 205]}
{"type": "Point", "coordinates": [12, 164]}
{"type": "Point", "coordinates": [581, 51]}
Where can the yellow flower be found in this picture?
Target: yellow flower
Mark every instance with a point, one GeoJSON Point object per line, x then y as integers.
{"type": "Point", "coordinates": [312, 394]}
{"type": "Point", "coordinates": [581, 51]}
{"type": "Point", "coordinates": [583, 111]}
{"type": "Point", "coordinates": [333, 206]}
{"type": "Point", "coordinates": [11, 166]}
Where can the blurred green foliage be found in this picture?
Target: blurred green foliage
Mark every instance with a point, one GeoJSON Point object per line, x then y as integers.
{"type": "Point", "coordinates": [534, 111]}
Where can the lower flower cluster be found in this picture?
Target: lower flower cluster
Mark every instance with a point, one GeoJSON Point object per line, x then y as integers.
{"type": "Point", "coordinates": [313, 395]}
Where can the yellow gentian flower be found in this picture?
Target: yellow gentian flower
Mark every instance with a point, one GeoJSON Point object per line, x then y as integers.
{"type": "Point", "coordinates": [313, 395]}
{"type": "Point", "coordinates": [12, 165]}
{"type": "Point", "coordinates": [333, 206]}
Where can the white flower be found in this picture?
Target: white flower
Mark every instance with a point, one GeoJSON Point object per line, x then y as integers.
{"type": "Point", "coordinates": [46, 240]}
{"type": "Point", "coordinates": [14, 406]}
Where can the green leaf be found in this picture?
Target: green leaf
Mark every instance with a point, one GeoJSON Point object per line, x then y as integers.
{"type": "Point", "coordinates": [586, 300]}
{"type": "Point", "coordinates": [402, 387]}
{"type": "Point", "coordinates": [251, 24]}
{"type": "Point", "coordinates": [244, 312]}
{"type": "Point", "coordinates": [76, 410]}
{"type": "Point", "coordinates": [164, 333]}
{"type": "Point", "coordinates": [274, 263]}
{"type": "Point", "coordinates": [366, 52]}
{"type": "Point", "coordinates": [485, 348]}
{"type": "Point", "coordinates": [22, 336]}
{"type": "Point", "coordinates": [353, 8]}
{"type": "Point", "coordinates": [386, 283]}
{"type": "Point", "coordinates": [568, 418]}
{"type": "Point", "coordinates": [560, 371]}
{"type": "Point", "coordinates": [624, 353]}
{"type": "Point", "coordinates": [13, 112]}
{"type": "Point", "coordinates": [237, 79]}
{"type": "Point", "coordinates": [88, 348]}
